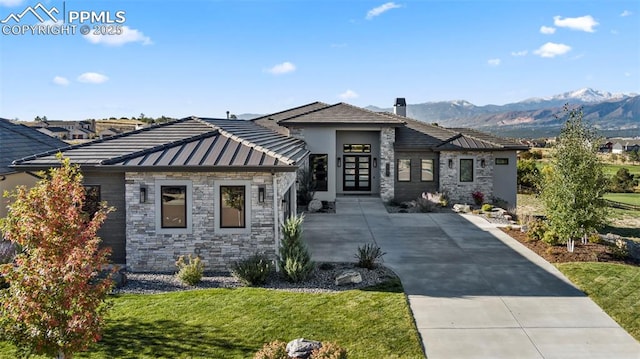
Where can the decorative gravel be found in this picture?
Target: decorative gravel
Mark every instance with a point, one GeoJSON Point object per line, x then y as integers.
{"type": "Point", "coordinates": [320, 281]}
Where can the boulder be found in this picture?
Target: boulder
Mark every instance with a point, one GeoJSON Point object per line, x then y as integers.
{"type": "Point", "coordinates": [461, 208]}
{"type": "Point", "coordinates": [348, 277]}
{"type": "Point", "coordinates": [302, 348]}
{"type": "Point", "coordinates": [315, 205]}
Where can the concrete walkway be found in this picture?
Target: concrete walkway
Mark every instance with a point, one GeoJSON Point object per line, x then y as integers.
{"type": "Point", "coordinates": [474, 291]}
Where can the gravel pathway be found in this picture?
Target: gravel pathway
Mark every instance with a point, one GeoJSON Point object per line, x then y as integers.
{"type": "Point", "coordinates": [320, 281]}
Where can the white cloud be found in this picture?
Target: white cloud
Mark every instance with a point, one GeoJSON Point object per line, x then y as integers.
{"type": "Point", "coordinates": [92, 78]}
{"type": "Point", "coordinates": [376, 11]}
{"type": "Point", "coordinates": [547, 30]}
{"type": "Point", "coordinates": [626, 13]}
{"type": "Point", "coordinates": [349, 94]}
{"type": "Point", "coordinates": [551, 49]}
{"type": "Point", "coordinates": [62, 81]}
{"type": "Point", "coordinates": [582, 23]}
{"type": "Point", "coordinates": [10, 3]}
{"type": "Point", "coordinates": [282, 68]}
{"type": "Point", "coordinates": [494, 62]}
{"type": "Point", "coordinates": [128, 35]}
{"type": "Point", "coordinates": [519, 53]}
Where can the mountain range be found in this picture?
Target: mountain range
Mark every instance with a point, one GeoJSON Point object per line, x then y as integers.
{"type": "Point", "coordinates": [613, 114]}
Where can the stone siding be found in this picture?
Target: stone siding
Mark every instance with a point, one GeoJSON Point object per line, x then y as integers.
{"type": "Point", "coordinates": [387, 140]}
{"type": "Point", "coordinates": [149, 251]}
{"type": "Point", "coordinates": [460, 192]}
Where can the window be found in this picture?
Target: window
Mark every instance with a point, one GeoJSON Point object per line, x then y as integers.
{"type": "Point", "coordinates": [232, 207]}
{"type": "Point", "coordinates": [349, 148]}
{"type": "Point", "coordinates": [404, 170]}
{"type": "Point", "coordinates": [502, 161]}
{"type": "Point", "coordinates": [319, 165]}
{"type": "Point", "coordinates": [174, 206]}
{"type": "Point", "coordinates": [466, 170]}
{"type": "Point", "coordinates": [92, 200]}
{"type": "Point", "coordinates": [173, 201]}
{"type": "Point", "coordinates": [426, 170]}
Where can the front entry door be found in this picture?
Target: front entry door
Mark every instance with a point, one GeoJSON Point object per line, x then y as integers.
{"type": "Point", "coordinates": [356, 174]}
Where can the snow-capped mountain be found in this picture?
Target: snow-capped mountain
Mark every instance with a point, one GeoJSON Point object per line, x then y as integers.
{"type": "Point", "coordinates": [584, 95]}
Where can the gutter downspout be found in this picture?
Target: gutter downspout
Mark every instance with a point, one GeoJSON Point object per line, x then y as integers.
{"type": "Point", "coordinates": [276, 218]}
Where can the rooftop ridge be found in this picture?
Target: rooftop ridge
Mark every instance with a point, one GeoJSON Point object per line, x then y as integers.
{"type": "Point", "coordinates": [287, 110]}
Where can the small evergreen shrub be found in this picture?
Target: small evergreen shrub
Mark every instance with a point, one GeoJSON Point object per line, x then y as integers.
{"type": "Point", "coordinates": [368, 255]}
{"type": "Point", "coordinates": [295, 260]}
{"type": "Point", "coordinates": [487, 207]}
{"type": "Point", "coordinates": [274, 350]}
{"type": "Point", "coordinates": [253, 270]}
{"type": "Point", "coordinates": [329, 350]}
{"type": "Point", "coordinates": [190, 271]}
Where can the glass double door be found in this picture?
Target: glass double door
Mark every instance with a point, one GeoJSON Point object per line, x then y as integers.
{"type": "Point", "coordinates": [356, 174]}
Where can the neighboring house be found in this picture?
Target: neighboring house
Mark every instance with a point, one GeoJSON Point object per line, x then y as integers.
{"type": "Point", "coordinates": [216, 188]}
{"type": "Point", "coordinates": [17, 141]}
{"type": "Point", "coordinates": [221, 188]}
{"type": "Point", "coordinates": [606, 147]}
{"type": "Point", "coordinates": [80, 134]}
{"type": "Point", "coordinates": [109, 132]}
{"type": "Point", "coordinates": [55, 132]}
{"type": "Point", "coordinates": [357, 151]}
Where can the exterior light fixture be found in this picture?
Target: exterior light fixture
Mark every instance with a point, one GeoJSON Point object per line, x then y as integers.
{"type": "Point", "coordinates": [339, 161]}
{"type": "Point", "coordinates": [375, 162]}
{"type": "Point", "coordinates": [450, 163]}
{"type": "Point", "coordinates": [261, 193]}
{"type": "Point", "coordinates": [143, 194]}
{"type": "Point", "coordinates": [483, 163]}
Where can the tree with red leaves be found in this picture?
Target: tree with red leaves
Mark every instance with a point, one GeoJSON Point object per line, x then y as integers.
{"type": "Point", "coordinates": [55, 303]}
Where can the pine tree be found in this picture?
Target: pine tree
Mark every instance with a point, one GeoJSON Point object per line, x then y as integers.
{"type": "Point", "coordinates": [295, 260]}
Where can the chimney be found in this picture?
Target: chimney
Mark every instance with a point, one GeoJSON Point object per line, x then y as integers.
{"type": "Point", "coordinates": [400, 107]}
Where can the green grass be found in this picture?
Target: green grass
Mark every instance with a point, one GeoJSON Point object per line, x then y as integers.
{"type": "Point", "coordinates": [611, 169]}
{"type": "Point", "coordinates": [628, 198]}
{"type": "Point", "coordinates": [614, 287]}
{"type": "Point", "coordinates": [235, 323]}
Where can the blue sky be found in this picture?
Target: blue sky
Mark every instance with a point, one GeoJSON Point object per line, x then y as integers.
{"type": "Point", "coordinates": [181, 58]}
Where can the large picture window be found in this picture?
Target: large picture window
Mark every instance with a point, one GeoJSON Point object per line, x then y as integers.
{"type": "Point", "coordinates": [319, 166]}
{"type": "Point", "coordinates": [466, 170]}
{"type": "Point", "coordinates": [426, 170]}
{"type": "Point", "coordinates": [232, 206]}
{"type": "Point", "coordinates": [404, 170]}
{"type": "Point", "coordinates": [174, 206]}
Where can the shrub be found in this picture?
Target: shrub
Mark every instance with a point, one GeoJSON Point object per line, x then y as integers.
{"type": "Point", "coordinates": [487, 207]}
{"type": "Point", "coordinates": [478, 197]}
{"type": "Point", "coordinates": [7, 253]}
{"type": "Point", "coordinates": [326, 266]}
{"type": "Point", "coordinates": [537, 229]}
{"type": "Point", "coordinates": [191, 271]}
{"type": "Point", "coordinates": [253, 270]}
{"type": "Point", "coordinates": [306, 188]}
{"type": "Point", "coordinates": [295, 260]}
{"type": "Point", "coordinates": [424, 205]}
{"type": "Point", "coordinates": [274, 350]}
{"type": "Point", "coordinates": [368, 254]}
{"type": "Point", "coordinates": [619, 250]}
{"type": "Point", "coordinates": [595, 238]}
{"type": "Point", "coordinates": [551, 238]}
{"type": "Point", "coordinates": [329, 350]}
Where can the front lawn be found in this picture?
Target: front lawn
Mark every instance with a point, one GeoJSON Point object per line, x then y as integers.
{"type": "Point", "coordinates": [235, 323]}
{"type": "Point", "coordinates": [614, 287]}
{"type": "Point", "coordinates": [628, 198]}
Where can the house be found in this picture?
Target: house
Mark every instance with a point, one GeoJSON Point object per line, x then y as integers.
{"type": "Point", "coordinates": [221, 188]}
{"type": "Point", "coordinates": [109, 132]}
{"type": "Point", "coordinates": [606, 147]}
{"type": "Point", "coordinates": [17, 141]}
{"type": "Point", "coordinates": [216, 188]}
{"type": "Point", "coordinates": [617, 148]}
{"type": "Point", "coordinates": [55, 132]}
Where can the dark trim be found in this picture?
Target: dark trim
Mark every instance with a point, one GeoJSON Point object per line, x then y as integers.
{"type": "Point", "coordinates": [109, 168]}
{"type": "Point", "coordinates": [340, 124]}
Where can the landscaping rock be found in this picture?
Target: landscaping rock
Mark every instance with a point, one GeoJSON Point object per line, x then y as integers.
{"type": "Point", "coordinates": [302, 348]}
{"type": "Point", "coordinates": [315, 205]}
{"type": "Point", "coordinates": [461, 208]}
{"type": "Point", "coordinates": [348, 277]}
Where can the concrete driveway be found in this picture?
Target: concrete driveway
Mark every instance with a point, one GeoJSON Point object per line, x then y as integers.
{"type": "Point", "coordinates": [474, 291]}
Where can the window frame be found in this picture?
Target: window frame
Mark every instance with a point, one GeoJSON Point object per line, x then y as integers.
{"type": "Point", "coordinates": [502, 161]}
{"type": "Point", "coordinates": [188, 228]}
{"type": "Point", "coordinates": [398, 169]}
{"type": "Point", "coordinates": [249, 190]}
{"type": "Point", "coordinates": [473, 175]}
{"type": "Point", "coordinates": [244, 207]}
{"type": "Point", "coordinates": [422, 170]}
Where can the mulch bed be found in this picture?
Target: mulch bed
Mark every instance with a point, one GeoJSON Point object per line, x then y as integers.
{"type": "Point", "coordinates": [590, 252]}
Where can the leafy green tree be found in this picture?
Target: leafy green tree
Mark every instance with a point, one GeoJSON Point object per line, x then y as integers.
{"type": "Point", "coordinates": [528, 174]}
{"type": "Point", "coordinates": [623, 181]}
{"type": "Point", "coordinates": [55, 302]}
{"type": "Point", "coordinates": [634, 156]}
{"type": "Point", "coordinates": [575, 182]}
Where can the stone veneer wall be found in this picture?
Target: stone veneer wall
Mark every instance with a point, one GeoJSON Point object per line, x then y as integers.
{"type": "Point", "coordinates": [387, 140]}
{"type": "Point", "coordinates": [460, 192]}
{"type": "Point", "coordinates": [148, 251]}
